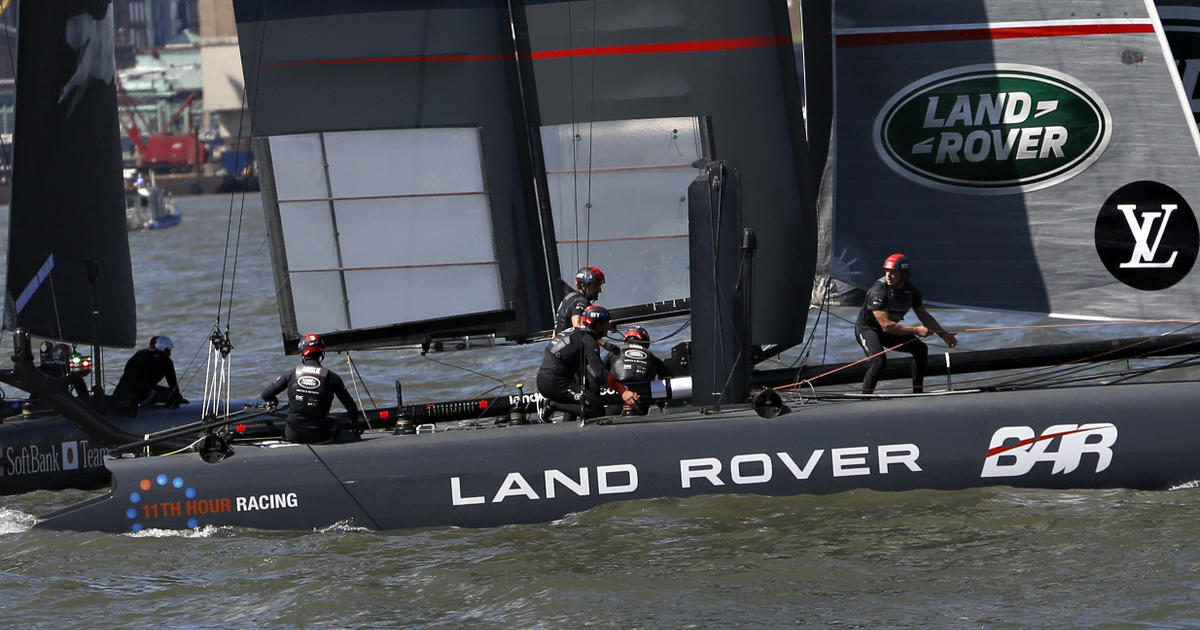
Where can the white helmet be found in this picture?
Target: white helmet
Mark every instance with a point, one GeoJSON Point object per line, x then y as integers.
{"type": "Point", "coordinates": [161, 342]}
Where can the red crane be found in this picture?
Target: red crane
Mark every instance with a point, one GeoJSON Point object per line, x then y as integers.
{"type": "Point", "coordinates": [162, 151]}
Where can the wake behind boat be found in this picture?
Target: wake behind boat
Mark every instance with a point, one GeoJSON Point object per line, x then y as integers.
{"type": "Point", "coordinates": [683, 135]}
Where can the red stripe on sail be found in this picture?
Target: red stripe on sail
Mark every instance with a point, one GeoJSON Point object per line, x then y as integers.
{"type": "Point", "coordinates": [740, 43]}
{"type": "Point", "coordinates": [896, 38]}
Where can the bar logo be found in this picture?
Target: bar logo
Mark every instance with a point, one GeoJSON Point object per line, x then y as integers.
{"type": "Point", "coordinates": [992, 129]}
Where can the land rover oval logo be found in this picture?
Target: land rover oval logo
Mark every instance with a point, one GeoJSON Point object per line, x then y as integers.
{"type": "Point", "coordinates": [992, 129]}
{"type": "Point", "coordinates": [634, 353]}
{"type": "Point", "coordinates": [308, 382]}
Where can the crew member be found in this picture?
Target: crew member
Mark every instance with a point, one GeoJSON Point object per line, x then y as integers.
{"type": "Point", "coordinates": [143, 371]}
{"type": "Point", "coordinates": [572, 371]}
{"type": "Point", "coordinates": [635, 362]}
{"type": "Point", "coordinates": [57, 361]}
{"type": "Point", "coordinates": [878, 326]}
{"type": "Point", "coordinates": [570, 309]}
{"type": "Point", "coordinates": [310, 391]}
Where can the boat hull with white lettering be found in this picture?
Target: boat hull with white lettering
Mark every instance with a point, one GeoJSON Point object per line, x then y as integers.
{"type": "Point", "coordinates": [1081, 437]}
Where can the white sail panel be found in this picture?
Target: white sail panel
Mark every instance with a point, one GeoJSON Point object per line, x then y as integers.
{"type": "Point", "coordinates": [380, 297]}
{"type": "Point", "coordinates": [396, 229]}
{"type": "Point", "coordinates": [404, 162]}
{"type": "Point", "coordinates": [618, 190]}
{"type": "Point", "coordinates": [309, 225]}
{"type": "Point", "coordinates": [303, 175]}
{"type": "Point", "coordinates": [311, 291]}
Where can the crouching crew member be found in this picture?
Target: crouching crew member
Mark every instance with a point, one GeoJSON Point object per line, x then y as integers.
{"type": "Point", "coordinates": [139, 382]}
{"type": "Point", "coordinates": [310, 391]}
{"type": "Point", "coordinates": [635, 363]}
{"type": "Point", "coordinates": [878, 326]}
{"type": "Point", "coordinates": [572, 372]}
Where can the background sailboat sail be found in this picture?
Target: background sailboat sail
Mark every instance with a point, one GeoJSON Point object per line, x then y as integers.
{"type": "Point", "coordinates": [1026, 157]}
{"type": "Point", "coordinates": [1181, 21]}
{"type": "Point", "coordinates": [68, 203]}
{"type": "Point", "coordinates": [637, 66]}
{"type": "Point", "coordinates": [456, 162]}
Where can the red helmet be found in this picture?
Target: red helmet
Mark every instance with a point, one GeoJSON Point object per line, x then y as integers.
{"type": "Point", "coordinates": [595, 316]}
{"type": "Point", "coordinates": [637, 333]}
{"type": "Point", "coordinates": [896, 261]}
{"type": "Point", "coordinates": [311, 344]}
{"type": "Point", "coordinates": [588, 275]}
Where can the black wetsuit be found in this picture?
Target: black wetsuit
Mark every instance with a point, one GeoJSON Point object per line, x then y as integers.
{"type": "Point", "coordinates": [635, 363]}
{"type": "Point", "coordinates": [140, 380]}
{"type": "Point", "coordinates": [573, 304]}
{"type": "Point", "coordinates": [61, 371]}
{"type": "Point", "coordinates": [873, 340]}
{"type": "Point", "coordinates": [310, 391]}
{"type": "Point", "coordinates": [572, 374]}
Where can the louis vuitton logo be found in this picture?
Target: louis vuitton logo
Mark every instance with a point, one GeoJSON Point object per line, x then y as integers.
{"type": "Point", "coordinates": [1141, 226]}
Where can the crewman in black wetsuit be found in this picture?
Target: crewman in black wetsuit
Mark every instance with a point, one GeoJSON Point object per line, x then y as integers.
{"type": "Point", "coordinates": [310, 391]}
{"type": "Point", "coordinates": [635, 363]}
{"type": "Point", "coordinates": [572, 372]}
{"type": "Point", "coordinates": [570, 309]}
{"type": "Point", "coordinates": [143, 371]}
{"type": "Point", "coordinates": [878, 326]}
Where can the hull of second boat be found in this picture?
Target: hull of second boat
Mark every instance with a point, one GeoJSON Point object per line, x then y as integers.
{"type": "Point", "coordinates": [44, 451]}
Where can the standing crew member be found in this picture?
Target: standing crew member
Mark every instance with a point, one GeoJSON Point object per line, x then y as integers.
{"type": "Point", "coordinates": [310, 391]}
{"type": "Point", "coordinates": [143, 371]}
{"type": "Point", "coordinates": [570, 309]}
{"type": "Point", "coordinates": [572, 371]}
{"type": "Point", "coordinates": [879, 326]}
{"type": "Point", "coordinates": [635, 362]}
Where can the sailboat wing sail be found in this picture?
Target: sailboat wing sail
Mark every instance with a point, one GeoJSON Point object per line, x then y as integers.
{"type": "Point", "coordinates": [1043, 163]}
{"type": "Point", "coordinates": [67, 216]}
{"type": "Point", "coordinates": [398, 189]}
{"type": "Point", "coordinates": [629, 92]}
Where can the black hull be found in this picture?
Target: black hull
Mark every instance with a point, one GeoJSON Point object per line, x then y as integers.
{"type": "Point", "coordinates": [1130, 436]}
{"type": "Point", "coordinates": [45, 451]}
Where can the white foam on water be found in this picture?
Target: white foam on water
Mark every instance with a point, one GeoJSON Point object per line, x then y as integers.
{"type": "Point", "coordinates": [206, 531]}
{"type": "Point", "coordinates": [15, 521]}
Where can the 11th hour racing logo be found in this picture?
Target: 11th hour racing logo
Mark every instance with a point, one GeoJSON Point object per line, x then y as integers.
{"type": "Point", "coordinates": [1146, 236]}
{"type": "Point", "coordinates": [1014, 451]}
{"type": "Point", "coordinates": [992, 129]}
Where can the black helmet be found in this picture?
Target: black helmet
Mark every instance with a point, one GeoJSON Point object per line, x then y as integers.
{"type": "Point", "coordinates": [637, 333]}
{"type": "Point", "coordinates": [595, 316]}
{"type": "Point", "coordinates": [311, 344]}
{"type": "Point", "coordinates": [588, 275]}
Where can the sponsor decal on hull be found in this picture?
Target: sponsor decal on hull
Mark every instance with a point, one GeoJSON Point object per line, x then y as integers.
{"type": "Point", "coordinates": [1016, 451]}
{"type": "Point", "coordinates": [42, 458]}
{"type": "Point", "coordinates": [170, 503]}
{"type": "Point", "coordinates": [745, 469]}
{"type": "Point", "coordinates": [992, 129]}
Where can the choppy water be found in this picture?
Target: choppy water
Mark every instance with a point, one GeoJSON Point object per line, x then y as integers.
{"type": "Point", "coordinates": [992, 557]}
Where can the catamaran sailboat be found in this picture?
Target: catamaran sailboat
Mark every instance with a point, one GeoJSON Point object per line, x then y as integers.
{"type": "Point", "coordinates": [1043, 163]}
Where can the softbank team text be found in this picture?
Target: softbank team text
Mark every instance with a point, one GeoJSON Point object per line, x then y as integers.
{"type": "Point", "coordinates": [694, 473]}
{"type": "Point", "coordinates": [34, 459]}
